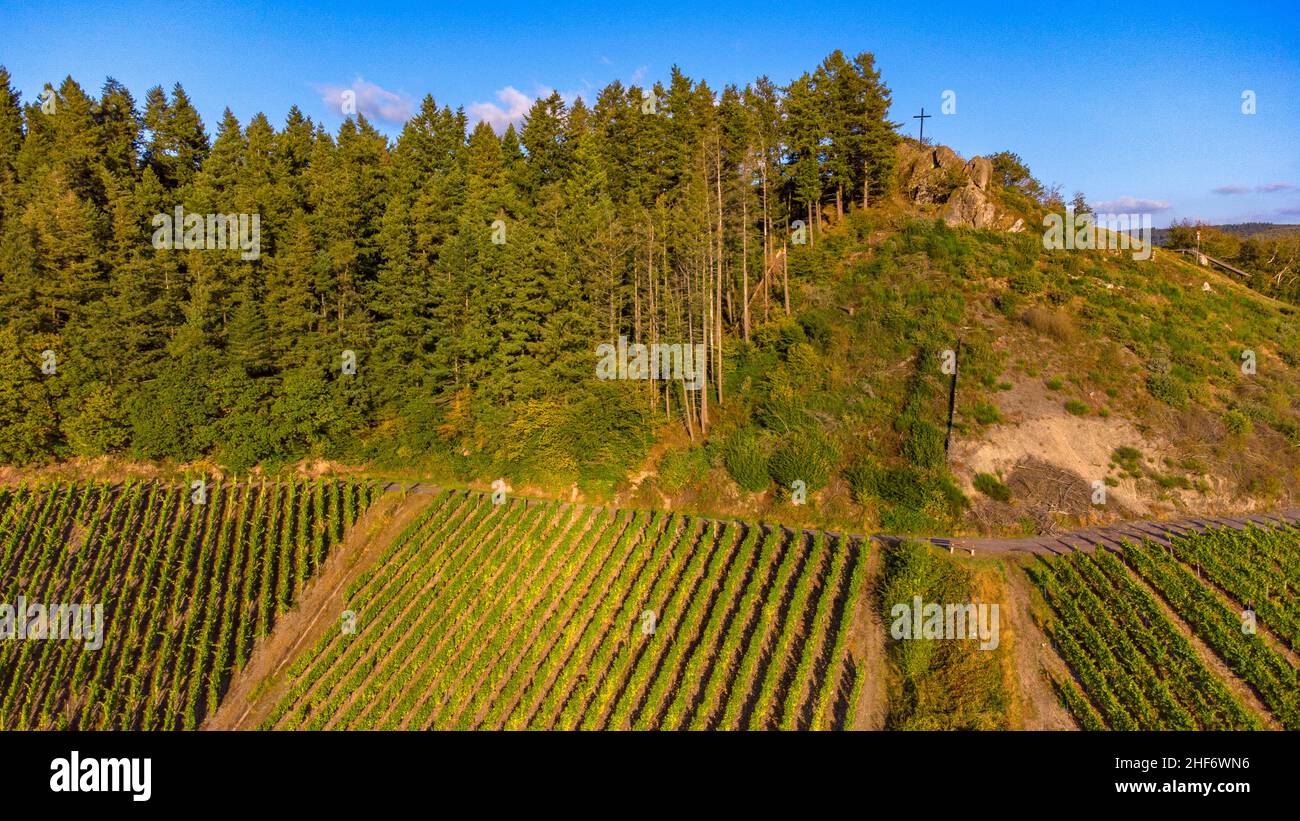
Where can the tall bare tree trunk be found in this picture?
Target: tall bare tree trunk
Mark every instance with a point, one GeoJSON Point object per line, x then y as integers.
{"type": "Point", "coordinates": [785, 277]}
{"type": "Point", "coordinates": [717, 333]}
{"type": "Point", "coordinates": [767, 228]}
{"type": "Point", "coordinates": [744, 262]}
{"type": "Point", "coordinates": [688, 400]}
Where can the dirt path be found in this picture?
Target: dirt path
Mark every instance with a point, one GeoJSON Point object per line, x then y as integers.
{"type": "Point", "coordinates": [1088, 538]}
{"type": "Point", "coordinates": [1034, 660]}
{"type": "Point", "coordinates": [869, 636]}
{"type": "Point", "coordinates": [255, 689]}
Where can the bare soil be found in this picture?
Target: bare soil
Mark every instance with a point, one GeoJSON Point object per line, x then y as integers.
{"type": "Point", "coordinates": [867, 643]}
{"type": "Point", "coordinates": [1038, 706]}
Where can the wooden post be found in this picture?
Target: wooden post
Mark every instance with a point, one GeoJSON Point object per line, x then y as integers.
{"type": "Point", "coordinates": [952, 396]}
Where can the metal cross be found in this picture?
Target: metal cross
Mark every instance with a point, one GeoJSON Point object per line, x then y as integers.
{"type": "Point", "coordinates": [922, 117]}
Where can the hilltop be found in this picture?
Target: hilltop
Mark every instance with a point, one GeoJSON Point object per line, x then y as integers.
{"type": "Point", "coordinates": [1077, 368]}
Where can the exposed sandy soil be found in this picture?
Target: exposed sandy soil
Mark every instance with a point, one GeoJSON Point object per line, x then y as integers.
{"type": "Point", "coordinates": [255, 690]}
{"type": "Point", "coordinates": [1037, 427]}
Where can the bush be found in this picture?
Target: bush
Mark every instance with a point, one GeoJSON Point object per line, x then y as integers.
{"type": "Point", "coordinates": [864, 480]}
{"type": "Point", "coordinates": [1167, 389]}
{"type": "Point", "coordinates": [678, 468]}
{"type": "Point", "coordinates": [986, 413]}
{"type": "Point", "coordinates": [808, 455]}
{"type": "Point", "coordinates": [1076, 408]}
{"type": "Point", "coordinates": [1129, 459]}
{"type": "Point", "coordinates": [1237, 423]}
{"type": "Point", "coordinates": [992, 487]}
{"type": "Point", "coordinates": [817, 328]}
{"type": "Point", "coordinates": [744, 458]}
{"type": "Point", "coordinates": [903, 487]}
{"type": "Point", "coordinates": [922, 440]}
{"type": "Point", "coordinates": [1050, 322]}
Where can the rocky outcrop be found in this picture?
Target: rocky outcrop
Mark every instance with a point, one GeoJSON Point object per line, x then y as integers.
{"type": "Point", "coordinates": [938, 176]}
{"type": "Point", "coordinates": [970, 206]}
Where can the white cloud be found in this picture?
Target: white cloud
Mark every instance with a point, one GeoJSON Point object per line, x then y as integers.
{"type": "Point", "coordinates": [514, 105]}
{"type": "Point", "coordinates": [639, 74]}
{"type": "Point", "coordinates": [1274, 187]}
{"type": "Point", "coordinates": [1131, 205]}
{"type": "Point", "coordinates": [1232, 188]}
{"type": "Point", "coordinates": [374, 101]}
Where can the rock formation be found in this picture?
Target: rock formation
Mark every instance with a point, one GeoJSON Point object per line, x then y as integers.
{"type": "Point", "coordinates": [938, 176]}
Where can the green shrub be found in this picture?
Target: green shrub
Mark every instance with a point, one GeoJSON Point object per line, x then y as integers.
{"type": "Point", "coordinates": [992, 487]}
{"type": "Point", "coordinates": [986, 413]}
{"type": "Point", "coordinates": [1054, 384]}
{"type": "Point", "coordinates": [953, 498]}
{"type": "Point", "coordinates": [1170, 480]}
{"type": "Point", "coordinates": [1237, 423]}
{"type": "Point", "coordinates": [903, 487]}
{"type": "Point", "coordinates": [922, 441]}
{"type": "Point", "coordinates": [906, 520]}
{"type": "Point", "coordinates": [1167, 389]}
{"type": "Point", "coordinates": [1076, 408]}
{"type": "Point", "coordinates": [808, 455]}
{"type": "Point", "coordinates": [1130, 459]}
{"type": "Point", "coordinates": [817, 328]}
{"type": "Point", "coordinates": [744, 457]}
{"type": "Point", "coordinates": [864, 477]}
{"type": "Point", "coordinates": [1126, 454]}
{"type": "Point", "coordinates": [678, 468]}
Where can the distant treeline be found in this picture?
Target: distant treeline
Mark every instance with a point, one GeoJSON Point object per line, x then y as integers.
{"type": "Point", "coordinates": [1269, 253]}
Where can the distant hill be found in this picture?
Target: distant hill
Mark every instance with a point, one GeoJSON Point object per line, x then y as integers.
{"type": "Point", "coordinates": [1243, 230]}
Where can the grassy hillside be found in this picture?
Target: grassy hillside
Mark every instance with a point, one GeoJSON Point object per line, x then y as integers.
{"type": "Point", "coordinates": [1075, 367]}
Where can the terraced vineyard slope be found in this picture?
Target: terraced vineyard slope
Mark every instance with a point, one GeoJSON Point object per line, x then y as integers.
{"type": "Point", "coordinates": [1134, 668]}
{"type": "Point", "coordinates": [185, 588]}
{"type": "Point", "coordinates": [545, 615]}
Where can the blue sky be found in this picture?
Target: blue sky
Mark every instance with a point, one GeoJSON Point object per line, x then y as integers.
{"type": "Point", "coordinates": [1138, 105]}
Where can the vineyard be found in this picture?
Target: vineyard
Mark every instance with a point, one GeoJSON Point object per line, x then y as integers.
{"type": "Point", "coordinates": [1135, 669]}
{"type": "Point", "coordinates": [543, 615]}
{"type": "Point", "coordinates": [186, 581]}
{"type": "Point", "coordinates": [470, 614]}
